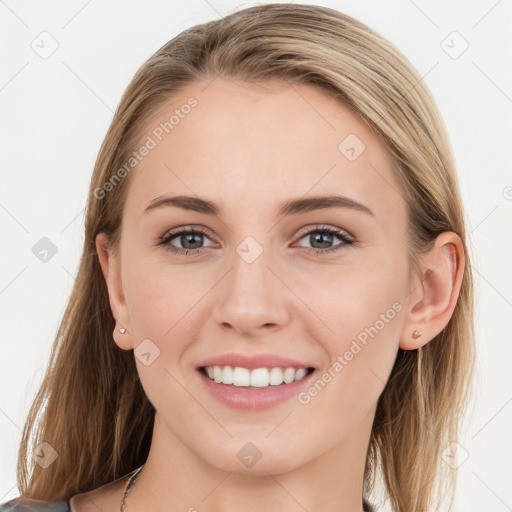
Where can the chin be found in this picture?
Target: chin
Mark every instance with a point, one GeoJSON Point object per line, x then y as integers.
{"type": "Point", "coordinates": [247, 459]}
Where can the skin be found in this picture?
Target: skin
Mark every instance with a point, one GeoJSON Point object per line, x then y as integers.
{"type": "Point", "coordinates": [249, 149]}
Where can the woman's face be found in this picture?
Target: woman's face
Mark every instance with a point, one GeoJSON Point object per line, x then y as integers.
{"type": "Point", "coordinates": [254, 282]}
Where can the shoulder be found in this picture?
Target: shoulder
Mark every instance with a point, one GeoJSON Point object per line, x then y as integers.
{"type": "Point", "coordinates": [106, 498]}
{"type": "Point", "coordinates": [30, 505]}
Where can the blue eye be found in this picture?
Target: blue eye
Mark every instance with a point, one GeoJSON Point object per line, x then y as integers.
{"type": "Point", "coordinates": [325, 235]}
{"type": "Point", "coordinates": [192, 238]}
{"type": "Point", "coordinates": [186, 236]}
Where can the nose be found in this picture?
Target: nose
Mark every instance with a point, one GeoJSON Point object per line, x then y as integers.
{"type": "Point", "coordinates": [252, 298]}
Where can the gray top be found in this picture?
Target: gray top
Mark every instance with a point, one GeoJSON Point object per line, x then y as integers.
{"type": "Point", "coordinates": [29, 505]}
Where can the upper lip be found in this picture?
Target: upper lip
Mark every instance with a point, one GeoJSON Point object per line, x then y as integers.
{"type": "Point", "coordinates": [253, 361]}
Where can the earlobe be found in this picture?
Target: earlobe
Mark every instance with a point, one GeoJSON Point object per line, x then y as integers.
{"type": "Point", "coordinates": [122, 337]}
{"type": "Point", "coordinates": [434, 294]}
{"type": "Point", "coordinates": [110, 269]}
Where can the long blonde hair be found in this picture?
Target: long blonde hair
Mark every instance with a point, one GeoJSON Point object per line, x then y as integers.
{"type": "Point", "coordinates": [91, 406]}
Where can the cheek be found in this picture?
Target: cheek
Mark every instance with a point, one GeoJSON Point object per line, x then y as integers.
{"type": "Point", "coordinates": [160, 312]}
{"type": "Point", "coordinates": [355, 296]}
{"type": "Point", "coordinates": [361, 312]}
{"type": "Point", "coordinates": [164, 302]}
{"type": "Point", "coordinates": [155, 289]}
{"type": "Point", "coordinates": [361, 354]}
{"type": "Point", "coordinates": [152, 301]}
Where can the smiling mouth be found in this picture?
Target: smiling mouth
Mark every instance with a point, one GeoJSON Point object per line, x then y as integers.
{"type": "Point", "coordinates": [239, 377]}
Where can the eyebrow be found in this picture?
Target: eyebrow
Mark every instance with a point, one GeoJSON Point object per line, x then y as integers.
{"type": "Point", "coordinates": [291, 207]}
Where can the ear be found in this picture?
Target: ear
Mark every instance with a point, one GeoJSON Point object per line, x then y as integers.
{"type": "Point", "coordinates": [111, 268]}
{"type": "Point", "coordinates": [435, 291]}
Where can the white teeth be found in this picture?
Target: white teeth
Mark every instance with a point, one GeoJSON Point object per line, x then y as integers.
{"type": "Point", "coordinates": [299, 374]}
{"type": "Point", "coordinates": [260, 378]}
{"type": "Point", "coordinates": [288, 375]}
{"type": "Point", "coordinates": [276, 376]}
{"type": "Point", "coordinates": [257, 378]}
{"type": "Point", "coordinates": [217, 374]}
{"type": "Point", "coordinates": [227, 375]}
{"type": "Point", "coordinates": [241, 377]}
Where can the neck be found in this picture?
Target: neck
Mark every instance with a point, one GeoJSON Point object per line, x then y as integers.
{"type": "Point", "coordinates": [331, 482]}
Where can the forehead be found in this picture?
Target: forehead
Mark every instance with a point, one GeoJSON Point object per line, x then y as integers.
{"type": "Point", "coordinates": [263, 144]}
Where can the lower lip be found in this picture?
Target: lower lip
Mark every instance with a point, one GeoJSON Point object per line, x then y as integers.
{"type": "Point", "coordinates": [253, 398]}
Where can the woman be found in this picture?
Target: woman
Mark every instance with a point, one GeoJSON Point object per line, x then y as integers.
{"type": "Point", "coordinates": [266, 373]}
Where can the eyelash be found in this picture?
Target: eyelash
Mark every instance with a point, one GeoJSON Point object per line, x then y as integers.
{"type": "Point", "coordinates": [342, 235]}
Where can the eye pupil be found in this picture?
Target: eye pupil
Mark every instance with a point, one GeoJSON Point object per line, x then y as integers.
{"type": "Point", "coordinates": [319, 237]}
{"type": "Point", "coordinates": [184, 239]}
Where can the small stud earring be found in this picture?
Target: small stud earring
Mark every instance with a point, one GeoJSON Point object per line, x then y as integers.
{"type": "Point", "coordinates": [122, 330]}
{"type": "Point", "coordinates": [416, 334]}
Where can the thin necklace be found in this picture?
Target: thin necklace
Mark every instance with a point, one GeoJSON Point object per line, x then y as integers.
{"type": "Point", "coordinates": [129, 486]}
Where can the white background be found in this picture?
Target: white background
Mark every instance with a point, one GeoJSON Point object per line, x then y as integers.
{"type": "Point", "coordinates": [55, 113]}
